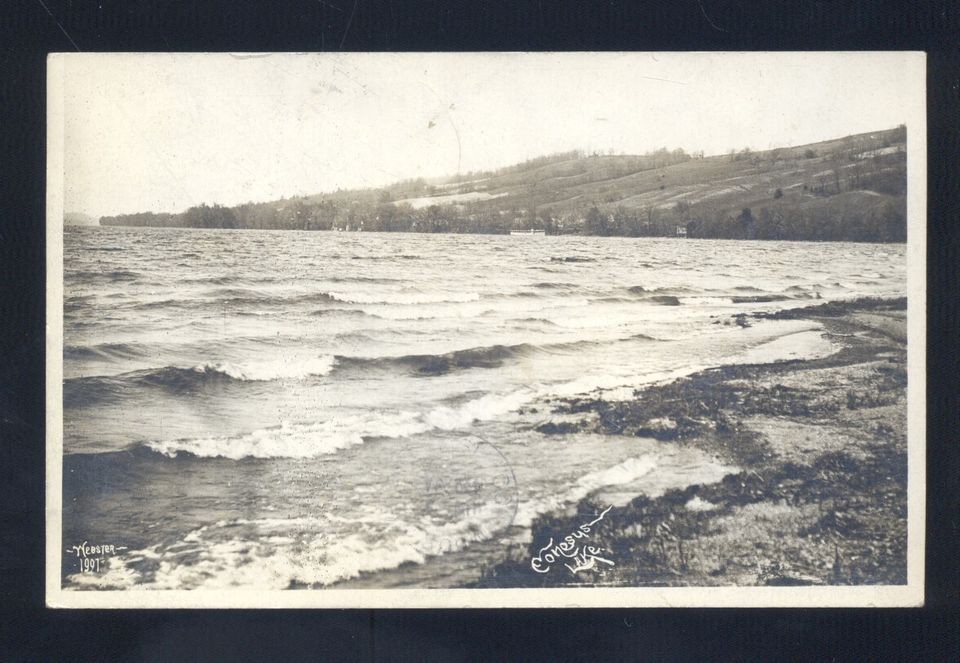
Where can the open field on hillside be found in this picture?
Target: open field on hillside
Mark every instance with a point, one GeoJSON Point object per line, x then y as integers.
{"type": "Point", "coordinates": [850, 189]}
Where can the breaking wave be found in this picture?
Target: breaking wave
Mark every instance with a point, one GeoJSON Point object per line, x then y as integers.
{"type": "Point", "coordinates": [306, 440]}
{"type": "Point", "coordinates": [403, 298]}
{"type": "Point", "coordinates": [239, 297]}
{"type": "Point", "coordinates": [177, 379]}
{"type": "Point", "coordinates": [296, 440]}
{"type": "Point", "coordinates": [278, 553]}
{"type": "Point", "coordinates": [492, 356]}
{"type": "Point", "coordinates": [80, 391]}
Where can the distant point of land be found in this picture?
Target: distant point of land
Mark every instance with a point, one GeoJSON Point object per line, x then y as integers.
{"type": "Point", "coordinates": [78, 219]}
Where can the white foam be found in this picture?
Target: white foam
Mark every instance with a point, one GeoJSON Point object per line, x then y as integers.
{"type": "Point", "coordinates": [484, 408]}
{"type": "Point", "coordinates": [625, 392]}
{"type": "Point", "coordinates": [404, 297]}
{"type": "Point", "coordinates": [296, 440]}
{"type": "Point", "coordinates": [622, 473]}
{"type": "Point", "coordinates": [688, 301]}
{"type": "Point", "coordinates": [473, 309]}
{"type": "Point", "coordinates": [273, 369]}
{"type": "Point", "coordinates": [265, 560]}
{"type": "Point", "coordinates": [617, 386]}
{"type": "Point", "coordinates": [809, 344]}
{"type": "Point", "coordinates": [116, 574]}
{"type": "Point", "coordinates": [305, 440]}
{"type": "Point", "coordinates": [274, 554]}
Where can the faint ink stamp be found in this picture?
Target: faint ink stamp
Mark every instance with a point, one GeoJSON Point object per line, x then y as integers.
{"type": "Point", "coordinates": [470, 500]}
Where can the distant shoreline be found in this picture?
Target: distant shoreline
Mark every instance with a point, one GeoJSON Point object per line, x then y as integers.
{"type": "Point", "coordinates": [507, 234]}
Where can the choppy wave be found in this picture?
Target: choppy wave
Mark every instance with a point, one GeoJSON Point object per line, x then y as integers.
{"type": "Point", "coordinates": [370, 423]}
{"type": "Point", "coordinates": [277, 553]}
{"type": "Point", "coordinates": [234, 280]}
{"type": "Point", "coordinates": [612, 300]}
{"type": "Point", "coordinates": [272, 369]}
{"type": "Point", "coordinates": [321, 312]}
{"type": "Point", "coordinates": [439, 364]}
{"type": "Point", "coordinates": [177, 379]}
{"type": "Point", "coordinates": [645, 292]}
{"type": "Point", "coordinates": [538, 321]}
{"type": "Point", "coordinates": [87, 390]}
{"type": "Point", "coordinates": [756, 299]}
{"type": "Point", "coordinates": [400, 256]}
{"type": "Point", "coordinates": [665, 300]}
{"type": "Point", "coordinates": [240, 297]}
{"type": "Point", "coordinates": [403, 297]}
{"type": "Point", "coordinates": [474, 309]}
{"type": "Point", "coordinates": [491, 356]}
{"type": "Point", "coordinates": [707, 299]}
{"type": "Point", "coordinates": [296, 440]}
{"type": "Point", "coordinates": [553, 285]}
{"type": "Point", "coordinates": [572, 259]}
{"type": "Point", "coordinates": [362, 279]}
{"type": "Point", "coordinates": [746, 295]}
{"type": "Point", "coordinates": [231, 279]}
{"type": "Point", "coordinates": [78, 303]}
{"type": "Point", "coordinates": [305, 440]}
{"type": "Point", "coordinates": [111, 351]}
{"type": "Point", "coordinates": [88, 276]}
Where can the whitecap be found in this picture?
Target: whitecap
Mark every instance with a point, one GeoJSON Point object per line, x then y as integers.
{"type": "Point", "coordinates": [404, 297]}
{"type": "Point", "coordinates": [272, 369]}
{"type": "Point", "coordinates": [306, 440]}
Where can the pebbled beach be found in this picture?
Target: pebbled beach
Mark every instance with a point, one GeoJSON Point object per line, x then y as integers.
{"type": "Point", "coordinates": [820, 492]}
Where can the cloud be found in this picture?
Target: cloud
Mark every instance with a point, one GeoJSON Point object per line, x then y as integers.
{"type": "Point", "coordinates": [162, 132]}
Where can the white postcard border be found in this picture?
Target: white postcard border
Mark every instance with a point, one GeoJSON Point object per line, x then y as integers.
{"type": "Point", "coordinates": [911, 594]}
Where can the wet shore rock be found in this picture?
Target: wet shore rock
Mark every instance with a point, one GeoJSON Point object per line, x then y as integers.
{"type": "Point", "coordinates": [821, 494]}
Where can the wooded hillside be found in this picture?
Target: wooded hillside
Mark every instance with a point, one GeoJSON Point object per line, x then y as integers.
{"type": "Point", "coordinates": [851, 188]}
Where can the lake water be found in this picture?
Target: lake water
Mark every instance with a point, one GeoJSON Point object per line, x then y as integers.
{"type": "Point", "coordinates": [284, 409]}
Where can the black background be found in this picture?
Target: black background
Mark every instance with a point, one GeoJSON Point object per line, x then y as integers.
{"type": "Point", "coordinates": [29, 29]}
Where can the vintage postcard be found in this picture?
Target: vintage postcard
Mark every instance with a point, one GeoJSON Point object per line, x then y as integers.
{"type": "Point", "coordinates": [485, 330]}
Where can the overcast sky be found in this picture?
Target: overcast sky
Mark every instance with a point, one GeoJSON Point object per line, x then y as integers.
{"type": "Point", "coordinates": [162, 132]}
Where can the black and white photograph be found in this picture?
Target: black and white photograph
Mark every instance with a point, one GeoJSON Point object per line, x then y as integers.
{"type": "Point", "coordinates": [485, 329]}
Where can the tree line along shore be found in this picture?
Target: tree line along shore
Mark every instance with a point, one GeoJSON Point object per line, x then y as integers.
{"type": "Point", "coordinates": [848, 189]}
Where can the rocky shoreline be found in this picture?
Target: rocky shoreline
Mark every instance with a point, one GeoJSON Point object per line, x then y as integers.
{"type": "Point", "coordinates": [822, 494]}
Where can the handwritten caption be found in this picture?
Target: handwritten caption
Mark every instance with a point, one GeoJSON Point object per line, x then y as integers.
{"type": "Point", "coordinates": [573, 551]}
{"type": "Point", "coordinates": [92, 558]}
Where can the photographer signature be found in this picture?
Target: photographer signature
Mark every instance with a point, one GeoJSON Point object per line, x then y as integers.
{"type": "Point", "coordinates": [575, 556]}
{"type": "Point", "coordinates": [92, 558]}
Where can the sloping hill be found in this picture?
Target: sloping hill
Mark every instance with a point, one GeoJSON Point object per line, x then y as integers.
{"type": "Point", "coordinates": [862, 174]}
{"type": "Point", "coordinates": [851, 188]}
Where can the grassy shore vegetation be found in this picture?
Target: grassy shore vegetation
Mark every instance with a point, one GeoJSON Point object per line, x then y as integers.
{"type": "Point", "coordinates": [851, 189]}
{"type": "Point", "coordinates": [821, 496]}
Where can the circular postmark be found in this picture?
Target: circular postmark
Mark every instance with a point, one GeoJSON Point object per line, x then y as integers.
{"type": "Point", "coordinates": [470, 492]}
